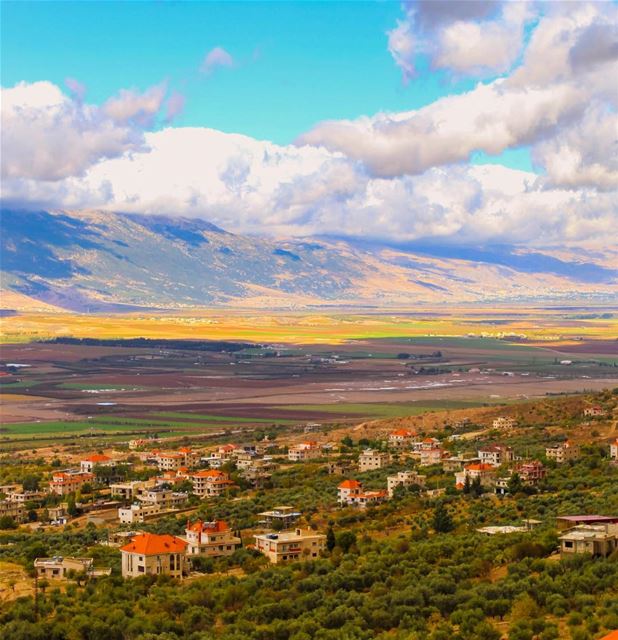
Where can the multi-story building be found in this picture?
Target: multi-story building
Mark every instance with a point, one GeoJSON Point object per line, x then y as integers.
{"type": "Point", "coordinates": [288, 546]}
{"type": "Point", "coordinates": [496, 454]}
{"type": "Point", "coordinates": [485, 472]}
{"type": "Point", "coordinates": [562, 452]}
{"type": "Point", "coordinates": [138, 512]}
{"type": "Point", "coordinates": [401, 438]}
{"type": "Point", "coordinates": [531, 472]}
{"type": "Point", "coordinates": [503, 423]}
{"type": "Point", "coordinates": [210, 483]}
{"type": "Point", "coordinates": [404, 479]}
{"type": "Point", "coordinates": [14, 510]}
{"type": "Point", "coordinates": [304, 451]}
{"type": "Point", "coordinates": [281, 517]}
{"type": "Point", "coordinates": [351, 493]}
{"type": "Point", "coordinates": [339, 467]}
{"type": "Point", "coordinates": [212, 539]}
{"type": "Point", "coordinates": [163, 497]}
{"type": "Point", "coordinates": [259, 470]}
{"type": "Point", "coordinates": [371, 459]}
{"type": "Point", "coordinates": [95, 460]}
{"type": "Point", "coordinates": [131, 490]}
{"type": "Point", "coordinates": [152, 554]}
{"type": "Point", "coordinates": [65, 482]}
{"type": "Point", "coordinates": [433, 455]}
{"type": "Point", "coordinates": [613, 449]}
{"type": "Point", "coordinates": [458, 462]}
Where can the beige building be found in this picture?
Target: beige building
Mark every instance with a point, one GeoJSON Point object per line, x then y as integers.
{"type": "Point", "coordinates": [370, 459]}
{"type": "Point", "coordinates": [152, 554]}
{"type": "Point", "coordinates": [434, 455]}
{"type": "Point", "coordinates": [57, 568]}
{"type": "Point", "coordinates": [613, 450]}
{"type": "Point", "coordinates": [281, 517]}
{"type": "Point", "coordinates": [129, 491]}
{"type": "Point", "coordinates": [504, 423]}
{"type": "Point", "coordinates": [404, 479]}
{"type": "Point", "coordinates": [304, 451]}
{"type": "Point", "coordinates": [486, 473]}
{"type": "Point", "coordinates": [496, 454]}
{"type": "Point", "coordinates": [596, 539]}
{"type": "Point", "coordinates": [14, 510]}
{"type": "Point", "coordinates": [212, 539]}
{"type": "Point", "coordinates": [139, 512]}
{"type": "Point", "coordinates": [65, 482]}
{"type": "Point", "coordinates": [401, 438]}
{"type": "Point", "coordinates": [562, 452]}
{"type": "Point", "coordinates": [288, 546]}
{"type": "Point", "coordinates": [211, 483]}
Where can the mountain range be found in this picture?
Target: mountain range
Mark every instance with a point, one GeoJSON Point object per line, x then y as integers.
{"type": "Point", "coordinates": [101, 260]}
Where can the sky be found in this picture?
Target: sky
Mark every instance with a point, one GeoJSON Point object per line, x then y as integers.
{"type": "Point", "coordinates": [458, 121]}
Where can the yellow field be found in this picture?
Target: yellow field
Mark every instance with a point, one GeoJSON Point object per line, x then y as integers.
{"type": "Point", "coordinates": [301, 328]}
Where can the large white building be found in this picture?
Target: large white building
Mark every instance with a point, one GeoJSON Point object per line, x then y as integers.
{"type": "Point", "coordinates": [212, 539]}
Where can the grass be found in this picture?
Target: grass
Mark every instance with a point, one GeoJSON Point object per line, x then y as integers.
{"type": "Point", "coordinates": [214, 418]}
{"type": "Point", "coordinates": [84, 386]}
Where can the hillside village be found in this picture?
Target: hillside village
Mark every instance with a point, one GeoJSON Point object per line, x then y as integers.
{"type": "Point", "coordinates": [317, 493]}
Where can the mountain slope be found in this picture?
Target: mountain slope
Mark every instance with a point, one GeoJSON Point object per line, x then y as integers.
{"type": "Point", "coordinates": [95, 260]}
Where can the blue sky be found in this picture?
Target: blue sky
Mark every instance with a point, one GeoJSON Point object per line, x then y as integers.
{"type": "Point", "coordinates": [295, 63]}
{"type": "Point", "coordinates": [376, 119]}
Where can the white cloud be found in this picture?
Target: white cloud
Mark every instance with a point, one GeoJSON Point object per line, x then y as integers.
{"type": "Point", "coordinates": [132, 106]}
{"type": "Point", "coordinates": [217, 57]}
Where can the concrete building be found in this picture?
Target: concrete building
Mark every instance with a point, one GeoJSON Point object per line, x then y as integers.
{"type": "Point", "coordinates": [596, 539]}
{"type": "Point", "coordinates": [211, 483]}
{"type": "Point", "coordinates": [568, 522]}
{"type": "Point", "coordinates": [351, 492]}
{"type": "Point", "coordinates": [65, 482]}
{"type": "Point", "coordinates": [404, 479]}
{"type": "Point", "coordinates": [14, 510]}
{"type": "Point", "coordinates": [458, 462]}
{"type": "Point", "coordinates": [613, 449]}
{"type": "Point", "coordinates": [174, 460]}
{"type": "Point", "coordinates": [562, 452]}
{"type": "Point", "coordinates": [131, 490]}
{"type": "Point", "coordinates": [57, 568]}
{"type": "Point", "coordinates": [429, 456]}
{"type": "Point", "coordinates": [288, 546]}
{"type": "Point", "coordinates": [594, 412]}
{"type": "Point", "coordinates": [304, 451]}
{"type": "Point", "coordinates": [486, 473]}
{"type": "Point", "coordinates": [370, 460]}
{"type": "Point", "coordinates": [496, 454]}
{"type": "Point", "coordinates": [503, 423]}
{"type": "Point", "coordinates": [401, 438]}
{"type": "Point", "coordinates": [95, 460]}
{"type": "Point", "coordinates": [282, 517]}
{"type": "Point", "coordinates": [152, 554]}
{"type": "Point", "coordinates": [138, 512]}
{"type": "Point", "coordinates": [212, 539]}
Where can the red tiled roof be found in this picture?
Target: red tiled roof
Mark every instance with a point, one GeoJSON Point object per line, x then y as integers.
{"type": "Point", "coordinates": [97, 457]}
{"type": "Point", "coordinates": [210, 473]}
{"type": "Point", "coordinates": [217, 526]}
{"type": "Point", "coordinates": [350, 484]}
{"type": "Point", "coordinates": [150, 544]}
{"type": "Point", "coordinates": [612, 635]}
{"type": "Point", "coordinates": [404, 433]}
{"type": "Point", "coordinates": [483, 466]}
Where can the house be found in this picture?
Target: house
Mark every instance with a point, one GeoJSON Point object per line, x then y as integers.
{"type": "Point", "coordinates": [304, 451]}
{"type": "Point", "coordinates": [210, 483]}
{"type": "Point", "coordinates": [431, 456]}
{"type": "Point", "coordinates": [404, 479]}
{"type": "Point", "coordinates": [458, 462]}
{"type": "Point", "coordinates": [259, 470]}
{"type": "Point", "coordinates": [485, 472]}
{"type": "Point", "coordinates": [152, 554]}
{"type": "Point", "coordinates": [503, 423]}
{"type": "Point", "coordinates": [14, 510]}
{"type": "Point", "coordinates": [129, 491]}
{"type": "Point", "coordinates": [568, 522]}
{"type": "Point", "coordinates": [339, 467]}
{"type": "Point", "coordinates": [138, 512]}
{"type": "Point", "coordinates": [69, 481]}
{"type": "Point", "coordinates": [212, 539]}
{"type": "Point", "coordinates": [426, 444]}
{"type": "Point", "coordinates": [281, 517]}
{"type": "Point", "coordinates": [288, 546]}
{"type": "Point", "coordinates": [401, 438]}
{"type": "Point", "coordinates": [57, 568]}
{"type": "Point", "coordinates": [562, 452]}
{"type": "Point", "coordinates": [532, 472]}
{"type": "Point", "coordinates": [594, 412]}
{"type": "Point", "coordinates": [596, 539]}
{"type": "Point", "coordinates": [351, 493]}
{"type": "Point", "coordinates": [496, 454]}
{"type": "Point", "coordinates": [613, 450]}
{"type": "Point", "coordinates": [95, 460]}
{"type": "Point", "coordinates": [370, 459]}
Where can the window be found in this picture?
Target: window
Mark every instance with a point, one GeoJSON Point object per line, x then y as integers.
{"type": "Point", "coordinates": [140, 568]}
{"type": "Point", "coordinates": [568, 544]}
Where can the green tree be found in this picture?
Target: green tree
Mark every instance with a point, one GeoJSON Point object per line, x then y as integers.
{"type": "Point", "coordinates": [330, 539]}
{"type": "Point", "coordinates": [442, 520]}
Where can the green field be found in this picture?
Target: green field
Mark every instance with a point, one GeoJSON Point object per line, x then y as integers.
{"type": "Point", "coordinates": [213, 418]}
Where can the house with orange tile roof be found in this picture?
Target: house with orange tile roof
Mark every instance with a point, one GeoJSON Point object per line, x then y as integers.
{"type": "Point", "coordinates": [351, 492]}
{"type": "Point", "coordinates": [152, 554]}
{"type": "Point", "coordinates": [485, 472]}
{"type": "Point", "coordinates": [401, 438]}
{"type": "Point", "coordinates": [562, 452]}
{"type": "Point", "coordinates": [65, 482]}
{"type": "Point", "coordinates": [95, 460]}
{"type": "Point", "coordinates": [304, 451]}
{"type": "Point", "coordinates": [210, 483]}
{"type": "Point", "coordinates": [212, 539]}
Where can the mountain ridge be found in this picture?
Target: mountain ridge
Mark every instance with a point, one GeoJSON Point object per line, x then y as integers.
{"type": "Point", "coordinates": [99, 260]}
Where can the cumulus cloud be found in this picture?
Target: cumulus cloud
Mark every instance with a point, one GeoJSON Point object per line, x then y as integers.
{"type": "Point", "coordinates": [47, 135]}
{"type": "Point", "coordinates": [175, 106]}
{"type": "Point", "coordinates": [476, 37]}
{"type": "Point", "coordinates": [217, 57]}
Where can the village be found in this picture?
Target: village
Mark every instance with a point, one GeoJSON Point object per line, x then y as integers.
{"type": "Point", "coordinates": [126, 491]}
